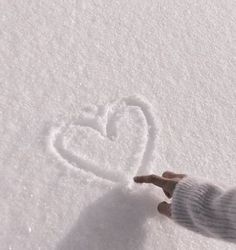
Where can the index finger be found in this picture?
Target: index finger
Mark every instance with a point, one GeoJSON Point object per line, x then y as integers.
{"type": "Point", "coordinates": [153, 179]}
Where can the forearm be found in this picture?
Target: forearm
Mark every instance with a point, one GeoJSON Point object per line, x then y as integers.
{"type": "Point", "coordinates": [205, 208]}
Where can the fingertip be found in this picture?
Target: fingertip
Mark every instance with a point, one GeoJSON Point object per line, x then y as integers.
{"type": "Point", "coordinates": [164, 208]}
{"type": "Point", "coordinates": [161, 206]}
{"type": "Point", "coordinates": [136, 179]}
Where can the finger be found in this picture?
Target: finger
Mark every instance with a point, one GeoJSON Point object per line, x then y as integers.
{"type": "Point", "coordinates": [153, 179]}
{"type": "Point", "coordinates": [165, 209]}
{"type": "Point", "coordinates": [167, 194]}
{"type": "Point", "coordinates": [171, 175]}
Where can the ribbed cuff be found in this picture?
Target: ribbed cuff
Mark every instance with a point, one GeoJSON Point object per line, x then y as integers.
{"type": "Point", "coordinates": [182, 196]}
{"type": "Point", "coordinates": [204, 208]}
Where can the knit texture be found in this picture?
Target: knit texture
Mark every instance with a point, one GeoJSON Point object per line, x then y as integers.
{"type": "Point", "coordinates": [205, 208]}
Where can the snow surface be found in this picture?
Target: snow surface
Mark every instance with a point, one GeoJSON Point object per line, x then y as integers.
{"type": "Point", "coordinates": [95, 92]}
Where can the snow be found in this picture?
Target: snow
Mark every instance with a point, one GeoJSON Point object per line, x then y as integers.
{"type": "Point", "coordinates": [95, 92]}
{"type": "Point", "coordinates": [123, 134]}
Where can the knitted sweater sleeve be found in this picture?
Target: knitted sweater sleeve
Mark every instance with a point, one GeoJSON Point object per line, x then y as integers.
{"type": "Point", "coordinates": [205, 208]}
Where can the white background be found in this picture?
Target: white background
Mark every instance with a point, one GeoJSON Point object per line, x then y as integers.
{"type": "Point", "coordinates": [56, 57]}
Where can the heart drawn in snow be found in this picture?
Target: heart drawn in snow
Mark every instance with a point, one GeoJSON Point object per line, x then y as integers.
{"type": "Point", "coordinates": [114, 141]}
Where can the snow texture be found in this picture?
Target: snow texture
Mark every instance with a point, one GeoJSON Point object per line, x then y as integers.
{"type": "Point", "coordinates": [113, 150]}
{"type": "Point", "coordinates": [94, 92]}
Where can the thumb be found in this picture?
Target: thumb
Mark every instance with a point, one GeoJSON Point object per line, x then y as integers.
{"type": "Point", "coordinates": [164, 208]}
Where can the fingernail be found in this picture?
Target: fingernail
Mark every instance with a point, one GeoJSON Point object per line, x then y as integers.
{"type": "Point", "coordinates": [135, 178]}
{"type": "Point", "coordinates": [164, 208]}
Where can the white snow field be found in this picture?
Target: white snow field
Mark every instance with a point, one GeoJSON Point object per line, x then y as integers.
{"type": "Point", "coordinates": [94, 92]}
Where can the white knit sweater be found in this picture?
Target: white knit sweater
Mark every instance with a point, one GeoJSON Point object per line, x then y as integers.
{"type": "Point", "coordinates": [205, 208]}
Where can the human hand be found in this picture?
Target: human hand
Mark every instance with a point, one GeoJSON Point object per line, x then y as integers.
{"type": "Point", "coordinates": [167, 182]}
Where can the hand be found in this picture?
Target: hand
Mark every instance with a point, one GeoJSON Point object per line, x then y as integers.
{"type": "Point", "coordinates": [167, 182]}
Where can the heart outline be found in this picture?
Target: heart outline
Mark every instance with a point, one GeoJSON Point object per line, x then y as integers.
{"type": "Point", "coordinates": [73, 161]}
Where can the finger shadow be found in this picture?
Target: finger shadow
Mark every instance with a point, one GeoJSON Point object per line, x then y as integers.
{"type": "Point", "coordinates": [116, 221]}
